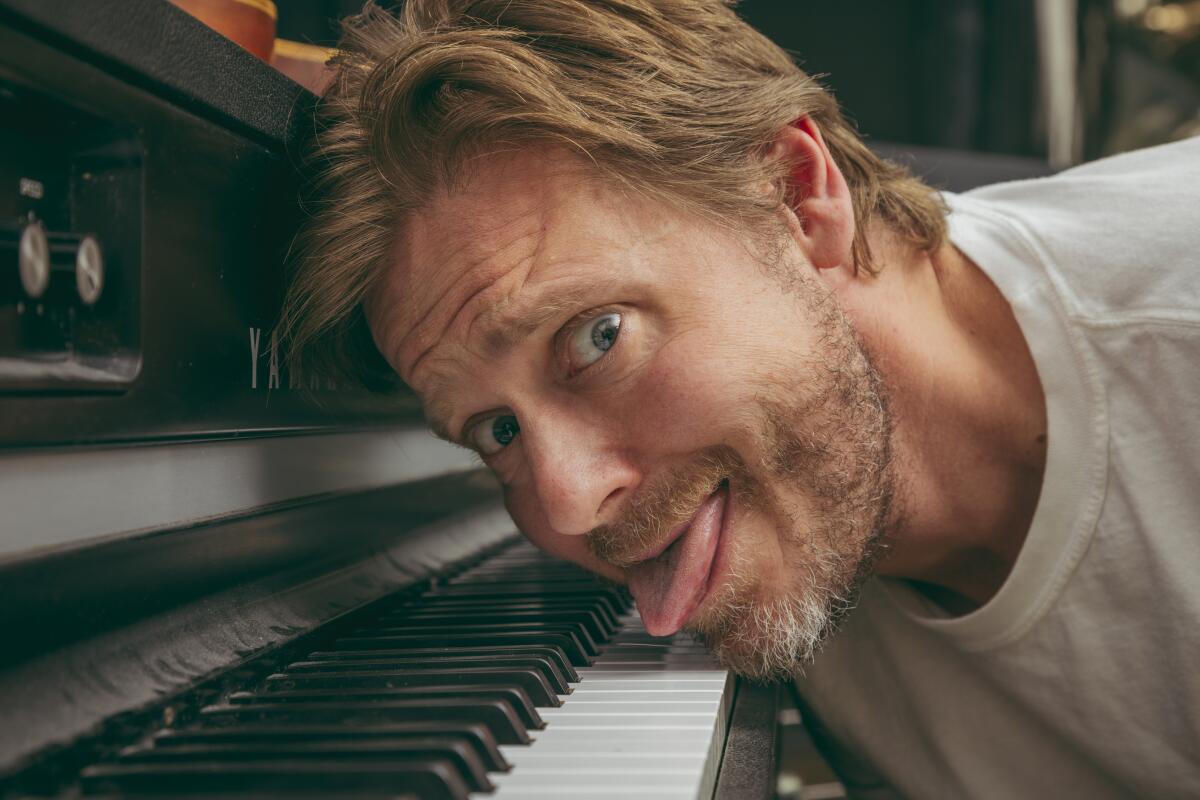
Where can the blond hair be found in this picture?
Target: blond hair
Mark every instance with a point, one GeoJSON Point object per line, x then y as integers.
{"type": "Point", "coordinates": [677, 99]}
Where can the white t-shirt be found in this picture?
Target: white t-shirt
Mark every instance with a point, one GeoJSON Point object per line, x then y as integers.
{"type": "Point", "coordinates": [1081, 677]}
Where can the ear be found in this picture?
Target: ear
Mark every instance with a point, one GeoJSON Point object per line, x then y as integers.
{"type": "Point", "coordinates": [817, 195]}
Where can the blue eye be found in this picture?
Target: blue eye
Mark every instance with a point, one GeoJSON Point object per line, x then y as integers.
{"type": "Point", "coordinates": [590, 341]}
{"type": "Point", "coordinates": [491, 435]}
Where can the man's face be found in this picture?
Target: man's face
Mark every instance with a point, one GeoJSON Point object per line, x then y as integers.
{"type": "Point", "coordinates": [661, 402]}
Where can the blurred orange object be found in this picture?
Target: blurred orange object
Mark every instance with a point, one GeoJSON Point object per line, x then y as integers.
{"type": "Point", "coordinates": [250, 23]}
{"type": "Point", "coordinates": [304, 63]}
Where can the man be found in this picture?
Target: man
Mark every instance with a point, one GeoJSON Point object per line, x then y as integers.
{"type": "Point", "coordinates": [712, 347]}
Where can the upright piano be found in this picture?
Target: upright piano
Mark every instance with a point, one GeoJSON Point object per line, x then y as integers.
{"type": "Point", "coordinates": [219, 579]}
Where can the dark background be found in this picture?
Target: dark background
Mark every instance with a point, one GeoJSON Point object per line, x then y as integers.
{"type": "Point", "coordinates": [963, 74]}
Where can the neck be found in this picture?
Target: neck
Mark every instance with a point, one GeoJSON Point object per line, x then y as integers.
{"type": "Point", "coordinates": [970, 420]}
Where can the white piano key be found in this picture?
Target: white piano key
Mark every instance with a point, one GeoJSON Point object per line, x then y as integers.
{"type": "Point", "coordinates": [568, 777]}
{"type": "Point", "coordinates": [655, 676]}
{"type": "Point", "coordinates": [604, 734]}
{"type": "Point", "coordinates": [625, 706]}
{"type": "Point", "coordinates": [685, 752]}
{"type": "Point", "coordinates": [613, 702]}
{"type": "Point", "coordinates": [596, 792]}
{"type": "Point", "coordinates": [631, 664]}
{"type": "Point", "coordinates": [647, 720]}
{"type": "Point", "coordinates": [639, 688]}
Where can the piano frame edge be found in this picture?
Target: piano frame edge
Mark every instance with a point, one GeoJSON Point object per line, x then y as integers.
{"type": "Point", "coordinates": [750, 761]}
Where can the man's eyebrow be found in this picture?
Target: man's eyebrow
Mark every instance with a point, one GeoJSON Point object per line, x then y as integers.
{"type": "Point", "coordinates": [504, 327]}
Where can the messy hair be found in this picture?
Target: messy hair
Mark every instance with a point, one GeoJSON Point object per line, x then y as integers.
{"type": "Point", "coordinates": [678, 100]}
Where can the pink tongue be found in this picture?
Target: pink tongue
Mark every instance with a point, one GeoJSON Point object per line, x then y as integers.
{"type": "Point", "coordinates": [669, 588]}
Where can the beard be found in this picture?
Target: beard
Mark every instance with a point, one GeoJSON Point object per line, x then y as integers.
{"type": "Point", "coordinates": [825, 439]}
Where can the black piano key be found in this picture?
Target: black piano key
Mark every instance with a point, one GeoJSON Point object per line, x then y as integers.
{"type": "Point", "coordinates": [500, 576]}
{"type": "Point", "coordinates": [469, 605]}
{"type": "Point", "coordinates": [377, 671]}
{"type": "Point", "coordinates": [568, 644]}
{"type": "Point", "coordinates": [430, 617]}
{"type": "Point", "coordinates": [531, 677]}
{"type": "Point", "coordinates": [476, 735]}
{"type": "Point", "coordinates": [528, 589]}
{"type": "Point", "coordinates": [468, 764]}
{"type": "Point", "coordinates": [513, 694]}
{"type": "Point", "coordinates": [505, 576]}
{"type": "Point", "coordinates": [600, 603]}
{"type": "Point", "coordinates": [493, 710]}
{"type": "Point", "coordinates": [445, 628]}
{"type": "Point", "coordinates": [553, 655]}
{"type": "Point", "coordinates": [613, 608]}
{"type": "Point", "coordinates": [427, 778]}
{"type": "Point", "coordinates": [363, 683]}
{"type": "Point", "coordinates": [499, 580]}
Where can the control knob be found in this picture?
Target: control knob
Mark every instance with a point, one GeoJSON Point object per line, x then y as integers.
{"type": "Point", "coordinates": [89, 270]}
{"type": "Point", "coordinates": [53, 266]}
{"type": "Point", "coordinates": [33, 258]}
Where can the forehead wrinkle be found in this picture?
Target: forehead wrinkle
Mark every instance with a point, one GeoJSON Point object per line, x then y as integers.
{"type": "Point", "coordinates": [423, 336]}
{"type": "Point", "coordinates": [505, 326]}
{"type": "Point", "coordinates": [393, 308]}
{"type": "Point", "coordinates": [510, 286]}
{"type": "Point", "coordinates": [481, 282]}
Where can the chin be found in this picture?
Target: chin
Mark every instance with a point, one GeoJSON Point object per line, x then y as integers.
{"type": "Point", "coordinates": [767, 621]}
{"type": "Point", "coordinates": [764, 639]}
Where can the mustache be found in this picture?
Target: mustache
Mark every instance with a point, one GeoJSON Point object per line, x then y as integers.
{"type": "Point", "coordinates": [667, 502]}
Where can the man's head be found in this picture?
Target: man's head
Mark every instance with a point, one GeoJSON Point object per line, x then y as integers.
{"type": "Point", "coordinates": [590, 236]}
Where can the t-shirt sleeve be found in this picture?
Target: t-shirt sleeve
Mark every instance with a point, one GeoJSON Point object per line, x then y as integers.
{"type": "Point", "coordinates": [1119, 235]}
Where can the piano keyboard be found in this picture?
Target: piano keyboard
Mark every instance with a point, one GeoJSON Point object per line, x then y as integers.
{"type": "Point", "coordinates": [646, 719]}
{"type": "Point", "coordinates": [521, 677]}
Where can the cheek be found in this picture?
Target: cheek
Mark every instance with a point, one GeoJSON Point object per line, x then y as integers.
{"type": "Point", "coordinates": [691, 397]}
{"type": "Point", "coordinates": [572, 548]}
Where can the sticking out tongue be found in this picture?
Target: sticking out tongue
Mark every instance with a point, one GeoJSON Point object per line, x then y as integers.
{"type": "Point", "coordinates": [670, 587]}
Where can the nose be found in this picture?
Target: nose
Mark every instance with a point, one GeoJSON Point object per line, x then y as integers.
{"type": "Point", "coordinates": [580, 472]}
